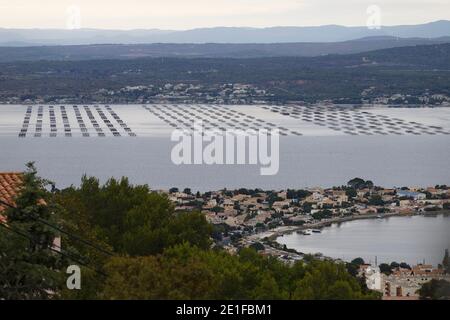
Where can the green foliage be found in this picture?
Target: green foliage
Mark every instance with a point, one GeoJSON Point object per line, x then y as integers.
{"type": "Point", "coordinates": [258, 246]}
{"type": "Point", "coordinates": [446, 262]}
{"type": "Point", "coordinates": [435, 290]}
{"type": "Point", "coordinates": [158, 254]}
{"type": "Point", "coordinates": [272, 197]}
{"type": "Point", "coordinates": [217, 209]}
{"type": "Point", "coordinates": [192, 228]}
{"type": "Point", "coordinates": [29, 269]}
{"type": "Point", "coordinates": [131, 219]}
{"type": "Point", "coordinates": [358, 261]}
{"type": "Point", "coordinates": [352, 269]}
{"type": "Point", "coordinates": [410, 70]}
{"type": "Point", "coordinates": [376, 200]}
{"type": "Point", "coordinates": [353, 266]}
{"type": "Point", "coordinates": [404, 265]}
{"type": "Point", "coordinates": [297, 194]}
{"type": "Point", "coordinates": [358, 183]}
{"type": "Point", "coordinates": [186, 272]}
{"type": "Point", "coordinates": [322, 214]}
{"type": "Point", "coordinates": [351, 192]}
{"type": "Point", "coordinates": [268, 289]}
{"type": "Point", "coordinates": [328, 280]}
{"type": "Point", "coordinates": [385, 268]}
{"type": "Point", "coordinates": [307, 206]}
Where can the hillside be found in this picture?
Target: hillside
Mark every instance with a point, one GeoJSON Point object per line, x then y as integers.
{"type": "Point", "coordinates": [326, 33]}
{"type": "Point", "coordinates": [414, 71]}
{"type": "Point", "coordinates": [113, 51]}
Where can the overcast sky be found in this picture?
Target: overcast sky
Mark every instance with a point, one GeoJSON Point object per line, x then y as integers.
{"type": "Point", "coordinates": [187, 14]}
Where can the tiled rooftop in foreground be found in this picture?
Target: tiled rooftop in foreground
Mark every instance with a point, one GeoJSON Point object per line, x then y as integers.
{"type": "Point", "coordinates": [9, 185]}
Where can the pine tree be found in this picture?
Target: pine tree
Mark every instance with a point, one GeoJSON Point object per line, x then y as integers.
{"type": "Point", "coordinates": [29, 269]}
{"type": "Point", "coordinates": [446, 262]}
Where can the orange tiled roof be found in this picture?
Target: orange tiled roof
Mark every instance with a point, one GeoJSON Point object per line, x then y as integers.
{"type": "Point", "coordinates": [9, 185]}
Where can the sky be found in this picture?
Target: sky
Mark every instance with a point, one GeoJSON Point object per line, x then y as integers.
{"type": "Point", "coordinates": [189, 14]}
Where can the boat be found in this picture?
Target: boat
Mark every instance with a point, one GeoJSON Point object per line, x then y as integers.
{"type": "Point", "coordinates": [316, 231]}
{"type": "Point", "coordinates": [307, 232]}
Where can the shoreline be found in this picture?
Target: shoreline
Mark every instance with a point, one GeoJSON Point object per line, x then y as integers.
{"type": "Point", "coordinates": [281, 231]}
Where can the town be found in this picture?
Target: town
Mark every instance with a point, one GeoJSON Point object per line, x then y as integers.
{"type": "Point", "coordinates": [220, 93]}
{"type": "Point", "coordinates": [246, 216]}
{"type": "Point", "coordinates": [255, 218]}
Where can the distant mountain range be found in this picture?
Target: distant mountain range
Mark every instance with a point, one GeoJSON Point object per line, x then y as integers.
{"type": "Point", "coordinates": [330, 33]}
{"type": "Point", "coordinates": [262, 50]}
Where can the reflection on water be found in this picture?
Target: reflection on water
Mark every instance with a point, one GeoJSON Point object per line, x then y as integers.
{"type": "Point", "coordinates": [409, 239]}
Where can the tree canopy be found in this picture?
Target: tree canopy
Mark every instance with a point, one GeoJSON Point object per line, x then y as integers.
{"type": "Point", "coordinates": [187, 272]}
{"type": "Point", "coordinates": [29, 262]}
{"type": "Point", "coordinates": [132, 219]}
{"type": "Point", "coordinates": [140, 248]}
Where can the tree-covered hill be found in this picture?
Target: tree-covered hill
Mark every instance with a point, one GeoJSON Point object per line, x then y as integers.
{"type": "Point", "coordinates": [410, 71]}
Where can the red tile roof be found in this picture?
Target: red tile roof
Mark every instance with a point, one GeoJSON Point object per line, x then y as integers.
{"type": "Point", "coordinates": [10, 183]}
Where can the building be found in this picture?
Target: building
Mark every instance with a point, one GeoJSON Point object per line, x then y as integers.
{"type": "Point", "coordinates": [373, 278]}
{"type": "Point", "coordinates": [10, 183]}
{"type": "Point", "coordinates": [404, 283]}
{"type": "Point", "coordinates": [411, 195]}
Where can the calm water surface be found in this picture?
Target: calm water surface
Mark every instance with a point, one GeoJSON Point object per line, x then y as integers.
{"type": "Point", "coordinates": [409, 239]}
{"type": "Point", "coordinates": [322, 157]}
{"type": "Point", "coordinates": [304, 162]}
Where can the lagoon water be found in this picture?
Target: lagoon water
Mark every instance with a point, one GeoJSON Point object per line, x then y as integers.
{"type": "Point", "coordinates": [403, 239]}
{"type": "Point", "coordinates": [322, 156]}
{"type": "Point", "coordinates": [304, 162]}
{"type": "Point", "coordinates": [325, 148]}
